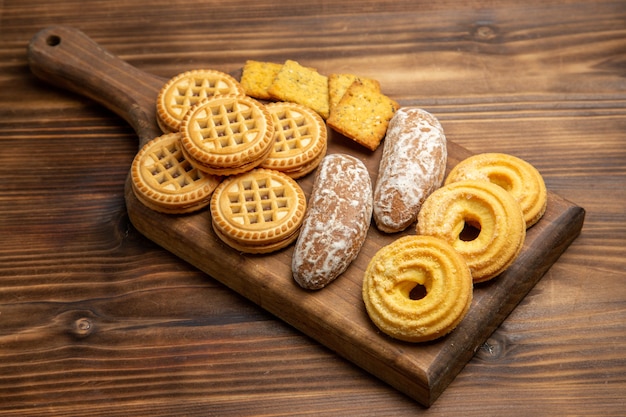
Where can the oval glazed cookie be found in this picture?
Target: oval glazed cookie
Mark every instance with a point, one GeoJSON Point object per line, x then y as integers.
{"type": "Point", "coordinates": [336, 223]}
{"type": "Point", "coordinates": [413, 165]}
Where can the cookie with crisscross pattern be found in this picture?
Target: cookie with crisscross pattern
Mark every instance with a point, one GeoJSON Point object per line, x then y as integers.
{"type": "Point", "coordinates": [300, 139]}
{"type": "Point", "coordinates": [187, 89]}
{"type": "Point", "coordinates": [166, 181]}
{"type": "Point", "coordinates": [228, 135]}
{"type": "Point", "coordinates": [259, 211]}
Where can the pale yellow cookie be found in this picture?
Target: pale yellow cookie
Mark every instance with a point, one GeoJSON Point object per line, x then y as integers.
{"type": "Point", "coordinates": [513, 174]}
{"type": "Point", "coordinates": [299, 139]}
{"type": "Point", "coordinates": [481, 220]}
{"type": "Point", "coordinates": [164, 180]}
{"type": "Point", "coordinates": [185, 90]}
{"type": "Point", "coordinates": [228, 135]}
{"type": "Point", "coordinates": [418, 288]}
{"type": "Point", "coordinates": [259, 211]}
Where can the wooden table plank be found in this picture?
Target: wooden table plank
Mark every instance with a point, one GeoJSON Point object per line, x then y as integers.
{"type": "Point", "coordinates": [170, 340]}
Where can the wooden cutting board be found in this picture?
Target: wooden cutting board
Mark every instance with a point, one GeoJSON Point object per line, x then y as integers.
{"type": "Point", "coordinates": [334, 316]}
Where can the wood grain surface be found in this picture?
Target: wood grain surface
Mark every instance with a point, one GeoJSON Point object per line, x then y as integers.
{"type": "Point", "coordinates": [94, 318]}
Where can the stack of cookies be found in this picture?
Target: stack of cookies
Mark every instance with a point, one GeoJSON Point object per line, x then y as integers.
{"type": "Point", "coordinates": [216, 135]}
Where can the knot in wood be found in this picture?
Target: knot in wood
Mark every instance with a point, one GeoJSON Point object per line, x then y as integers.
{"type": "Point", "coordinates": [83, 327]}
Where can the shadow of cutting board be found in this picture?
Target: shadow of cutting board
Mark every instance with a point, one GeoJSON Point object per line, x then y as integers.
{"type": "Point", "coordinates": [335, 316]}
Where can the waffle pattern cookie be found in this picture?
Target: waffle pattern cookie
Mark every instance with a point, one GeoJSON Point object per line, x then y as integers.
{"type": "Point", "coordinates": [228, 135]}
{"type": "Point", "coordinates": [416, 289]}
{"type": "Point", "coordinates": [300, 139]}
{"type": "Point", "coordinates": [185, 90]}
{"type": "Point", "coordinates": [259, 211]}
{"type": "Point", "coordinates": [164, 180]}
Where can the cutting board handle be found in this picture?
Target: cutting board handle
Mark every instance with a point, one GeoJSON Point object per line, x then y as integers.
{"type": "Point", "coordinates": [68, 58]}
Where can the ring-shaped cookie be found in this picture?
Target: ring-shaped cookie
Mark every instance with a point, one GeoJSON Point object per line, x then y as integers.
{"type": "Point", "coordinates": [481, 220]}
{"type": "Point", "coordinates": [513, 174]}
{"type": "Point", "coordinates": [414, 265]}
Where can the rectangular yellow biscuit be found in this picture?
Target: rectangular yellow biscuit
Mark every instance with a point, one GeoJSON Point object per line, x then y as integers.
{"type": "Point", "coordinates": [339, 83]}
{"type": "Point", "coordinates": [363, 115]}
{"type": "Point", "coordinates": [257, 76]}
{"type": "Point", "coordinates": [301, 85]}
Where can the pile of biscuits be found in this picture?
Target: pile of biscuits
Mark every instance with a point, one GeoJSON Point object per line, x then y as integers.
{"type": "Point", "coordinates": [239, 147]}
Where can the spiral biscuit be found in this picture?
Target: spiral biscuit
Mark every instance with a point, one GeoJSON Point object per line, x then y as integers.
{"type": "Point", "coordinates": [511, 173]}
{"type": "Point", "coordinates": [481, 220]}
{"type": "Point", "coordinates": [396, 272]}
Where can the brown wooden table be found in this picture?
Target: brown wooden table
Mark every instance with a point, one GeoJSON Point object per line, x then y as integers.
{"type": "Point", "coordinates": [95, 319]}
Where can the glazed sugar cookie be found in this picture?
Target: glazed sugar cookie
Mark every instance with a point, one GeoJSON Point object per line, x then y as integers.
{"type": "Point", "coordinates": [417, 288]}
{"type": "Point", "coordinates": [259, 211]}
{"type": "Point", "coordinates": [511, 173]}
{"type": "Point", "coordinates": [481, 220]}
{"type": "Point", "coordinates": [185, 90]}
{"type": "Point", "coordinates": [228, 135]}
{"type": "Point", "coordinates": [299, 139]}
{"type": "Point", "coordinates": [164, 180]}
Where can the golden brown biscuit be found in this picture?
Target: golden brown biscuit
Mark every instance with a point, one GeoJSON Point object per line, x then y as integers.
{"type": "Point", "coordinates": [299, 139]}
{"type": "Point", "coordinates": [228, 135]}
{"type": "Point", "coordinates": [362, 115]}
{"type": "Point", "coordinates": [164, 180]}
{"type": "Point", "coordinates": [417, 288]}
{"type": "Point", "coordinates": [481, 220]}
{"type": "Point", "coordinates": [301, 85]}
{"type": "Point", "coordinates": [257, 77]}
{"type": "Point", "coordinates": [185, 90]}
{"type": "Point", "coordinates": [259, 211]}
{"type": "Point", "coordinates": [338, 84]}
{"type": "Point", "coordinates": [511, 173]}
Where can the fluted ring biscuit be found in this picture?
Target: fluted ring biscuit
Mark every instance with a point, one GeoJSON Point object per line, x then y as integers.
{"type": "Point", "coordinates": [259, 211]}
{"type": "Point", "coordinates": [417, 288]}
{"type": "Point", "coordinates": [481, 220]}
{"type": "Point", "coordinates": [164, 180]}
{"type": "Point", "coordinates": [186, 89]}
{"type": "Point", "coordinates": [300, 139]}
{"type": "Point", "coordinates": [513, 174]}
{"type": "Point", "coordinates": [228, 135]}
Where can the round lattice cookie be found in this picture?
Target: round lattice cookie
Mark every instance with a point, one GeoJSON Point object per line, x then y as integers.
{"type": "Point", "coordinates": [300, 139]}
{"type": "Point", "coordinates": [164, 180]}
{"type": "Point", "coordinates": [228, 135]}
{"type": "Point", "coordinates": [185, 90]}
{"type": "Point", "coordinates": [259, 211]}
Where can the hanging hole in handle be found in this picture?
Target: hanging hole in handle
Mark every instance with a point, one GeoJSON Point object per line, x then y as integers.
{"type": "Point", "coordinates": [53, 40]}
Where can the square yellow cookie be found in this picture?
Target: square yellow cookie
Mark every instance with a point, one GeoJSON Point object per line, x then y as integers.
{"type": "Point", "coordinates": [257, 77]}
{"type": "Point", "coordinates": [363, 115]}
{"type": "Point", "coordinates": [301, 85]}
{"type": "Point", "coordinates": [339, 83]}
